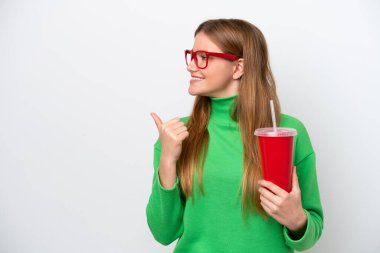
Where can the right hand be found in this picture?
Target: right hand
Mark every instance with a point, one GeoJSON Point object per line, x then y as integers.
{"type": "Point", "coordinates": [172, 133]}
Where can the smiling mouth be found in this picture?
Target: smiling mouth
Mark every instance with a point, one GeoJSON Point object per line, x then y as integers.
{"type": "Point", "coordinates": [195, 78]}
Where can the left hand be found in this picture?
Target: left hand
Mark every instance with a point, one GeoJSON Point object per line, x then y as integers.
{"type": "Point", "coordinates": [283, 206]}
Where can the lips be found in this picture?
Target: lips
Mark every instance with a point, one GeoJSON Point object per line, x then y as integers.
{"type": "Point", "coordinates": [196, 78]}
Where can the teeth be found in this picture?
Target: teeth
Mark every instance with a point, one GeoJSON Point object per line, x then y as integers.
{"type": "Point", "coordinates": [197, 78]}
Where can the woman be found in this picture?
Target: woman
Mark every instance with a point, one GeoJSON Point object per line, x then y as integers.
{"type": "Point", "coordinates": [208, 190]}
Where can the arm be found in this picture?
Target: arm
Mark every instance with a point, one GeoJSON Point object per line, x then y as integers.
{"type": "Point", "coordinates": [312, 207]}
{"type": "Point", "coordinates": [305, 163]}
{"type": "Point", "coordinates": [299, 211]}
{"type": "Point", "coordinates": [165, 207]}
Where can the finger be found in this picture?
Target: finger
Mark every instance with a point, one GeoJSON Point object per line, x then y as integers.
{"type": "Point", "coordinates": [177, 125]}
{"type": "Point", "coordinates": [272, 207]}
{"type": "Point", "coordinates": [180, 130]}
{"type": "Point", "coordinates": [157, 120]}
{"type": "Point", "coordinates": [173, 121]}
{"type": "Point", "coordinates": [295, 184]}
{"type": "Point", "coordinates": [269, 195]}
{"type": "Point", "coordinates": [266, 208]}
{"type": "Point", "coordinates": [274, 188]}
{"type": "Point", "coordinates": [183, 135]}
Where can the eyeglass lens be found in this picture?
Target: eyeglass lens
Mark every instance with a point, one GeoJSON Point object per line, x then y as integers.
{"type": "Point", "coordinates": [200, 61]}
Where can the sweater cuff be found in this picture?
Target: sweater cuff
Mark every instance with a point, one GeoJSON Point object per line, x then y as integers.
{"type": "Point", "coordinates": [303, 242]}
{"type": "Point", "coordinates": [173, 188]}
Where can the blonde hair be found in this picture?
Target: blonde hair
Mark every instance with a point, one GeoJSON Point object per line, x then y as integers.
{"type": "Point", "coordinates": [251, 111]}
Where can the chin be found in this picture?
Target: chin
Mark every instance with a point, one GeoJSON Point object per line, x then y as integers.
{"type": "Point", "coordinates": [192, 92]}
{"type": "Point", "coordinates": [195, 92]}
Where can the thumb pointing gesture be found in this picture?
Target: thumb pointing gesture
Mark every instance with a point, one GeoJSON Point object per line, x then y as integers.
{"type": "Point", "coordinates": [157, 120]}
{"type": "Point", "coordinates": [172, 133]}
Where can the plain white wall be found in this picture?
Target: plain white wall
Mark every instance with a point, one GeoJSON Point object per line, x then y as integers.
{"type": "Point", "coordinates": [79, 78]}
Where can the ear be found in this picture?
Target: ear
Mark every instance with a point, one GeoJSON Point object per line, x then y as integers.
{"type": "Point", "coordinates": [239, 69]}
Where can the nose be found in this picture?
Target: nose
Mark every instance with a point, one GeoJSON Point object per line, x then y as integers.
{"type": "Point", "coordinates": [192, 67]}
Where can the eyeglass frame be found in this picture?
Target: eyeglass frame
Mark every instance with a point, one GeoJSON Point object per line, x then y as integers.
{"type": "Point", "coordinates": [230, 57]}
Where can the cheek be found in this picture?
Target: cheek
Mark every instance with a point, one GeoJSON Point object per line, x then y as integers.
{"type": "Point", "coordinates": [220, 76]}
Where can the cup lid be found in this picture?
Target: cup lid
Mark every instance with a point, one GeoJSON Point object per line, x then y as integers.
{"type": "Point", "coordinates": [281, 132]}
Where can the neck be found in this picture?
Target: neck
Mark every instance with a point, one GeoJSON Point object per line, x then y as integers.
{"type": "Point", "coordinates": [222, 108]}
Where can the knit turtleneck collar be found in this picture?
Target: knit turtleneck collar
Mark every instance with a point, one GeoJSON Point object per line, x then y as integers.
{"type": "Point", "coordinates": [221, 110]}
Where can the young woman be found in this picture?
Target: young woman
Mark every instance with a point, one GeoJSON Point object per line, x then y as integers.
{"type": "Point", "coordinates": [208, 190]}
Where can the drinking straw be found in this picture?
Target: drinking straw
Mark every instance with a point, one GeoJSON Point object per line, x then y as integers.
{"type": "Point", "coordinates": [273, 116]}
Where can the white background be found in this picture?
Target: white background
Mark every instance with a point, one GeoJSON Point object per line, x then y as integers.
{"type": "Point", "coordinates": [79, 78]}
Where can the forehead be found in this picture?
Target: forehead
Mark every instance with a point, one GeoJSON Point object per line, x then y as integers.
{"type": "Point", "coordinates": [203, 42]}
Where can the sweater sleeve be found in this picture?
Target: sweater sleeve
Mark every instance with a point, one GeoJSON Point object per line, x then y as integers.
{"type": "Point", "coordinates": [305, 163]}
{"type": "Point", "coordinates": [165, 207]}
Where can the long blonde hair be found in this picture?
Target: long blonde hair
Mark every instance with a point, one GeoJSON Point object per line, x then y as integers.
{"type": "Point", "coordinates": [252, 111]}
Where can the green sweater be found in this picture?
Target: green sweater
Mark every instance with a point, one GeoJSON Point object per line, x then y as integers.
{"type": "Point", "coordinates": [214, 223]}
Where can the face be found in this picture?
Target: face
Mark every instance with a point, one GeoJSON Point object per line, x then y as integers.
{"type": "Point", "coordinates": [217, 79]}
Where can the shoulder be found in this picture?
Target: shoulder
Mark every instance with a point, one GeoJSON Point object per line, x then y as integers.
{"type": "Point", "coordinates": [290, 121]}
{"type": "Point", "coordinates": [303, 146]}
{"type": "Point", "coordinates": [185, 119]}
{"type": "Point", "coordinates": [293, 122]}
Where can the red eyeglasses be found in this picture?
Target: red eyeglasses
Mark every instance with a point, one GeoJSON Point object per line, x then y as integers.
{"type": "Point", "coordinates": [201, 57]}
